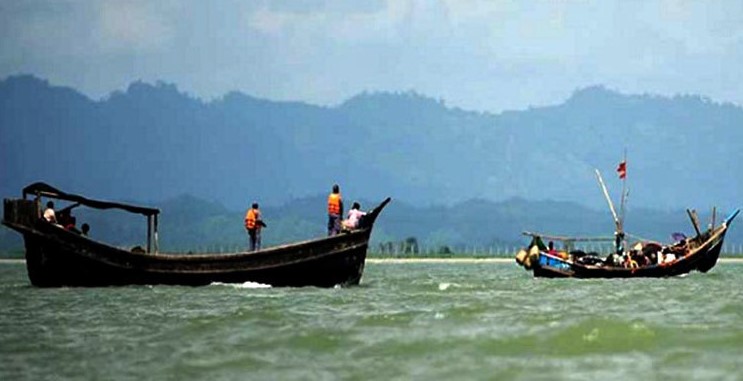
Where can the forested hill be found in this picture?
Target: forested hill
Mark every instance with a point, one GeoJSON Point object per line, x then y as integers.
{"type": "Point", "coordinates": [152, 142]}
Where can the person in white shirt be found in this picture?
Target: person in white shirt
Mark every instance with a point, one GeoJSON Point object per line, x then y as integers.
{"type": "Point", "coordinates": [354, 216]}
{"type": "Point", "coordinates": [49, 215]}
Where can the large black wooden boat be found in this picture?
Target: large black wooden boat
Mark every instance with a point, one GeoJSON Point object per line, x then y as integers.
{"type": "Point", "coordinates": [59, 257]}
{"type": "Point", "coordinates": [648, 259]}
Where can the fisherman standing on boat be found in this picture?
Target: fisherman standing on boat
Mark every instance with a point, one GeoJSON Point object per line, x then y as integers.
{"type": "Point", "coordinates": [335, 210]}
{"type": "Point", "coordinates": [253, 224]}
{"type": "Point", "coordinates": [619, 242]}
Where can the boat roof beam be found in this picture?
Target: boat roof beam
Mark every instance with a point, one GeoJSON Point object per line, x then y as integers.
{"type": "Point", "coordinates": [568, 239]}
{"type": "Point", "coordinates": [46, 190]}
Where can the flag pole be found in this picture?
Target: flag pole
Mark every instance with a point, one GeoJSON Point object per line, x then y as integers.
{"type": "Point", "coordinates": [624, 191]}
{"type": "Point", "coordinates": [623, 201]}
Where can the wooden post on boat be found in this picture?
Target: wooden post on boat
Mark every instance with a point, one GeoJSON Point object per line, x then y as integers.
{"type": "Point", "coordinates": [37, 202]}
{"type": "Point", "coordinates": [714, 212]}
{"type": "Point", "coordinates": [157, 245]}
{"type": "Point", "coordinates": [694, 220]}
{"type": "Point", "coordinates": [149, 233]}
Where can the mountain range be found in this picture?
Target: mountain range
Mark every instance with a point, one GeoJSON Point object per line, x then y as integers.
{"type": "Point", "coordinates": [457, 177]}
{"type": "Point", "coordinates": [153, 142]}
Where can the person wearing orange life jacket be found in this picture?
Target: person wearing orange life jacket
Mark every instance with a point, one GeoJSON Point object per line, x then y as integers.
{"type": "Point", "coordinates": [253, 224]}
{"type": "Point", "coordinates": [335, 210]}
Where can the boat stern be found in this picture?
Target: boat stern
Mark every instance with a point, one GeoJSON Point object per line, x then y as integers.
{"type": "Point", "coordinates": [19, 212]}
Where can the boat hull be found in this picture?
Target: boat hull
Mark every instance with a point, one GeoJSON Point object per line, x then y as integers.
{"type": "Point", "coordinates": [61, 258]}
{"type": "Point", "coordinates": [57, 257]}
{"type": "Point", "coordinates": [703, 258]}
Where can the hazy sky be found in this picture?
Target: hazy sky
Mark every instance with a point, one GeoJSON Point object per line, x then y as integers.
{"type": "Point", "coordinates": [477, 55]}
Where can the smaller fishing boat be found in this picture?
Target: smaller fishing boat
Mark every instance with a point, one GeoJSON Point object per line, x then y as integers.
{"type": "Point", "coordinates": [56, 256]}
{"type": "Point", "coordinates": [642, 259]}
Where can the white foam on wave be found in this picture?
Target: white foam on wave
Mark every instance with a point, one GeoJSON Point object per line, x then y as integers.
{"type": "Point", "coordinates": [242, 285]}
{"type": "Point", "coordinates": [444, 286]}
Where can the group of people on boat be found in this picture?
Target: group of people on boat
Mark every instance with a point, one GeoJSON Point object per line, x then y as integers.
{"type": "Point", "coordinates": [641, 255]}
{"type": "Point", "coordinates": [336, 224]}
{"type": "Point", "coordinates": [64, 218]}
{"type": "Point", "coordinates": [648, 254]}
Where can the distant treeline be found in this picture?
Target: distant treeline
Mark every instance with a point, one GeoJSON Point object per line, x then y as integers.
{"type": "Point", "coordinates": [189, 224]}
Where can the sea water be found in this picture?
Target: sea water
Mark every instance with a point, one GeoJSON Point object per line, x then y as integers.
{"type": "Point", "coordinates": [405, 321]}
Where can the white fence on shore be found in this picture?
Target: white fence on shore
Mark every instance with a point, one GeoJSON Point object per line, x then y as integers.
{"type": "Point", "coordinates": [733, 249]}
{"type": "Point", "coordinates": [510, 250]}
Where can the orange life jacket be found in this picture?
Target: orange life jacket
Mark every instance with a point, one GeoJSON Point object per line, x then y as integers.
{"type": "Point", "coordinates": [251, 217]}
{"type": "Point", "coordinates": [334, 204]}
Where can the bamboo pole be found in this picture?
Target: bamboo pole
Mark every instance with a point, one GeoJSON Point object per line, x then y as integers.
{"type": "Point", "coordinates": [608, 200]}
{"type": "Point", "coordinates": [624, 190]}
{"type": "Point", "coordinates": [694, 220]}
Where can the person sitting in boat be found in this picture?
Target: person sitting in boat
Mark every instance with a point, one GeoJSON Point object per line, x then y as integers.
{"type": "Point", "coordinates": [354, 217]}
{"type": "Point", "coordinates": [253, 224]}
{"type": "Point", "coordinates": [70, 224]}
{"type": "Point", "coordinates": [552, 251]}
{"type": "Point", "coordinates": [551, 248]}
{"type": "Point", "coordinates": [67, 220]}
{"type": "Point", "coordinates": [63, 217]}
{"type": "Point", "coordinates": [85, 229]}
{"type": "Point", "coordinates": [651, 250]}
{"type": "Point", "coordinates": [636, 259]}
{"type": "Point", "coordinates": [49, 214]}
{"type": "Point", "coordinates": [671, 253]}
{"type": "Point", "coordinates": [613, 260]}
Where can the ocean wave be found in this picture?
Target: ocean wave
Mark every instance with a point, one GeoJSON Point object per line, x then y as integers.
{"type": "Point", "coordinates": [444, 286]}
{"type": "Point", "coordinates": [242, 285]}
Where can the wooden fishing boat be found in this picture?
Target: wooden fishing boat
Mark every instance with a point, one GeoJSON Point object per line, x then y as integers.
{"type": "Point", "coordinates": [699, 253]}
{"type": "Point", "coordinates": [644, 259]}
{"type": "Point", "coordinates": [59, 257]}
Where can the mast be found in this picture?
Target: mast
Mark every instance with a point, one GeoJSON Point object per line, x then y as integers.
{"type": "Point", "coordinates": [619, 238]}
{"type": "Point", "coordinates": [608, 200]}
{"type": "Point", "coordinates": [623, 177]}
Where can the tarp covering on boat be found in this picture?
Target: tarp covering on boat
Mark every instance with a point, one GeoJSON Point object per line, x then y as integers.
{"type": "Point", "coordinates": [46, 190]}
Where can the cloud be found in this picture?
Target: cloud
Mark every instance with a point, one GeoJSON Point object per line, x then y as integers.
{"type": "Point", "coordinates": [478, 54]}
{"type": "Point", "coordinates": [134, 25]}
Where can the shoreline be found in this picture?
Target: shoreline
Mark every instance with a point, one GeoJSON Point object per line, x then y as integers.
{"type": "Point", "coordinates": [484, 260]}
{"type": "Point", "coordinates": [419, 260]}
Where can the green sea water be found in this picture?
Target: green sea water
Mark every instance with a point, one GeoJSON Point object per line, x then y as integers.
{"type": "Point", "coordinates": [442, 321]}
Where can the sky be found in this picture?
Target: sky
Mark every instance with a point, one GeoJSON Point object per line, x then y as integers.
{"type": "Point", "coordinates": [476, 55]}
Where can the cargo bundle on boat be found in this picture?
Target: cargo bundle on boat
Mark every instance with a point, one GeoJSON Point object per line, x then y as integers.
{"type": "Point", "coordinates": [59, 257]}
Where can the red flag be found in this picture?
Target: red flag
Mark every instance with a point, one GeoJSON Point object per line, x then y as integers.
{"type": "Point", "coordinates": [622, 170]}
